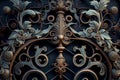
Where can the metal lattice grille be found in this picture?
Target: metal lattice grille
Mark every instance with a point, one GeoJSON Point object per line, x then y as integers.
{"type": "Point", "coordinates": [59, 40]}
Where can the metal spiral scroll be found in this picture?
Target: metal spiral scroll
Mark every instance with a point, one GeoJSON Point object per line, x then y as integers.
{"type": "Point", "coordinates": [29, 63]}
{"type": "Point", "coordinates": [86, 75]}
{"type": "Point", "coordinates": [34, 62]}
{"type": "Point", "coordinates": [64, 40]}
{"type": "Point", "coordinates": [34, 75]}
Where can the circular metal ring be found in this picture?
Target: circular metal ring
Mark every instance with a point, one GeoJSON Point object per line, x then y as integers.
{"type": "Point", "coordinates": [41, 60]}
{"type": "Point", "coordinates": [79, 60]}
{"type": "Point", "coordinates": [30, 75]}
{"type": "Point", "coordinates": [69, 18]}
{"type": "Point", "coordinates": [85, 74]}
{"type": "Point", "coordinates": [51, 18]}
{"type": "Point", "coordinates": [24, 57]}
{"type": "Point", "coordinates": [12, 24]}
{"type": "Point", "coordinates": [107, 23]}
{"type": "Point", "coordinates": [81, 19]}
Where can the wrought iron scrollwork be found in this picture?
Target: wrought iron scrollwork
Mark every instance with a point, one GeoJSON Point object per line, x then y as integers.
{"type": "Point", "coordinates": [61, 41]}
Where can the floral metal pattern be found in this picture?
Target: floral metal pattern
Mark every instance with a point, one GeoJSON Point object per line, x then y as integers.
{"type": "Point", "coordinates": [57, 50]}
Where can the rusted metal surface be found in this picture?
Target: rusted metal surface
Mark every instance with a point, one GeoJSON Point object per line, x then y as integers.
{"type": "Point", "coordinates": [60, 40]}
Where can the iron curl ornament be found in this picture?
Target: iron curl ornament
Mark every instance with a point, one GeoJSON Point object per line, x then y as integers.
{"type": "Point", "coordinates": [63, 40]}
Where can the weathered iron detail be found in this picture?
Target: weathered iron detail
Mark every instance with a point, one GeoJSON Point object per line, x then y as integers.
{"type": "Point", "coordinates": [68, 43]}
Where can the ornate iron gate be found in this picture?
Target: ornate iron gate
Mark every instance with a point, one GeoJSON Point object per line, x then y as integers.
{"type": "Point", "coordinates": [59, 40]}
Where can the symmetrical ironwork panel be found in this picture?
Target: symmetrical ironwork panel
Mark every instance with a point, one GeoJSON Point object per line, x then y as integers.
{"type": "Point", "coordinates": [59, 40]}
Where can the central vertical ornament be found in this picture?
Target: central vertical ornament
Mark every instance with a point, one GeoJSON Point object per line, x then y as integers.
{"type": "Point", "coordinates": [60, 65]}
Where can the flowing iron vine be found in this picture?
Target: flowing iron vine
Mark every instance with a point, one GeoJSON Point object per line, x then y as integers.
{"type": "Point", "coordinates": [60, 42]}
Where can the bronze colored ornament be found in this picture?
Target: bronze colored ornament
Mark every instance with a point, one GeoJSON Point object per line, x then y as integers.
{"type": "Point", "coordinates": [113, 56]}
{"type": "Point", "coordinates": [114, 10]}
{"type": "Point", "coordinates": [8, 55]}
{"type": "Point", "coordinates": [5, 73]}
{"type": "Point", "coordinates": [6, 9]}
{"type": "Point", "coordinates": [60, 40]}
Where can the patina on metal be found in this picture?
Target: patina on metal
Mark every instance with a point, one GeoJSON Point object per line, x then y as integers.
{"type": "Point", "coordinates": [60, 41]}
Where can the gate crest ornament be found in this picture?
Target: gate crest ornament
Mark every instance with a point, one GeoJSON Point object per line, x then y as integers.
{"type": "Point", "coordinates": [60, 41]}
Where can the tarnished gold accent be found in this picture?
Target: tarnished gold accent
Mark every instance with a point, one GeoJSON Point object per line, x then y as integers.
{"type": "Point", "coordinates": [5, 73]}
{"type": "Point", "coordinates": [63, 34]}
{"type": "Point", "coordinates": [88, 72]}
{"type": "Point", "coordinates": [60, 64]}
{"type": "Point", "coordinates": [69, 18]}
{"type": "Point", "coordinates": [114, 10]}
{"type": "Point", "coordinates": [51, 18]}
{"type": "Point", "coordinates": [6, 9]}
{"type": "Point", "coordinates": [8, 55]}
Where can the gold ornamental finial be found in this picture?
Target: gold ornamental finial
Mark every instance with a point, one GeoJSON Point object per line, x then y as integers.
{"type": "Point", "coordinates": [61, 4]}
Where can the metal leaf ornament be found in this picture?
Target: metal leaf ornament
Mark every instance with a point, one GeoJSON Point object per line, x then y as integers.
{"type": "Point", "coordinates": [20, 5]}
{"type": "Point", "coordinates": [26, 12]}
{"type": "Point", "coordinates": [39, 33]}
{"type": "Point", "coordinates": [93, 23]}
{"type": "Point", "coordinates": [105, 37]}
{"type": "Point", "coordinates": [101, 5]}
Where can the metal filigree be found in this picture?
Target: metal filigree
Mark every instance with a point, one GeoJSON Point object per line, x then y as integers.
{"type": "Point", "coordinates": [60, 41]}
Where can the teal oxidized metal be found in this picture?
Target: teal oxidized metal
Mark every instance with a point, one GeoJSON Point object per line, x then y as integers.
{"type": "Point", "coordinates": [60, 40]}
